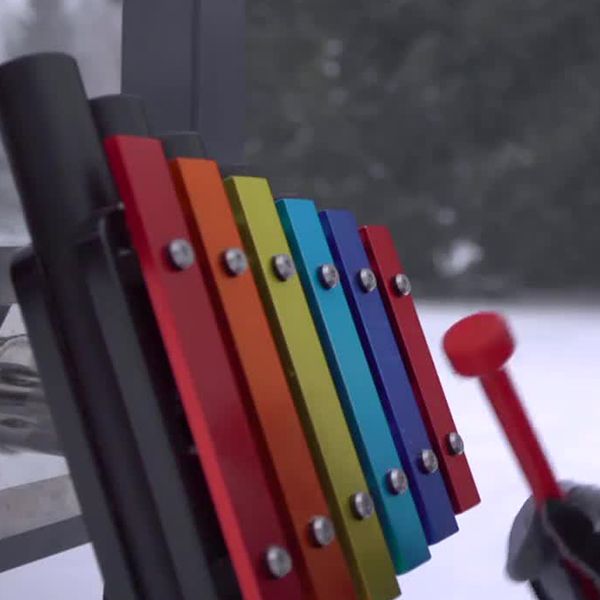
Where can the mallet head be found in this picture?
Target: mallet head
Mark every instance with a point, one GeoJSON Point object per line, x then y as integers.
{"type": "Point", "coordinates": [479, 344]}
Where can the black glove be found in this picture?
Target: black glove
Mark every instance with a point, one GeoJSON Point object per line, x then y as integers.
{"type": "Point", "coordinates": [563, 530]}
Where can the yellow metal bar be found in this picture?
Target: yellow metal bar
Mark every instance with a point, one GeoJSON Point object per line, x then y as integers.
{"type": "Point", "coordinates": [312, 386]}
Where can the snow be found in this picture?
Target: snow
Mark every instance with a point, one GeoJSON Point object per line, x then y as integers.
{"type": "Point", "coordinates": [556, 369]}
{"type": "Point", "coordinates": [460, 256]}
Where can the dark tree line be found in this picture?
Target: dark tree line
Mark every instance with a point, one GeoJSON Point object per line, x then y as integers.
{"type": "Point", "coordinates": [470, 127]}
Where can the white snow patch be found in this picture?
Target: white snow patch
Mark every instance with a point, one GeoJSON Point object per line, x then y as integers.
{"type": "Point", "coordinates": [14, 15]}
{"type": "Point", "coordinates": [459, 258]}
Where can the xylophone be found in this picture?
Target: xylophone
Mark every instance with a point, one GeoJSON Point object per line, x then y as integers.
{"type": "Point", "coordinates": [242, 387]}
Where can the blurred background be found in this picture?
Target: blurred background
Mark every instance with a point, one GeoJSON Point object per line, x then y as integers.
{"type": "Point", "coordinates": [472, 129]}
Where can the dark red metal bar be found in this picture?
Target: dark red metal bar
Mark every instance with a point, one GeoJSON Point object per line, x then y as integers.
{"type": "Point", "coordinates": [421, 369]}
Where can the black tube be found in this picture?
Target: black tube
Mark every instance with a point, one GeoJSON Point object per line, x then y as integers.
{"type": "Point", "coordinates": [56, 158]}
{"type": "Point", "coordinates": [185, 144]}
{"type": "Point", "coordinates": [187, 60]}
{"type": "Point", "coordinates": [63, 179]}
{"type": "Point", "coordinates": [120, 114]}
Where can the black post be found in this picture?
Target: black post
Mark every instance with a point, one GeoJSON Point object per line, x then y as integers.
{"type": "Point", "coordinates": [186, 59]}
{"type": "Point", "coordinates": [63, 180]}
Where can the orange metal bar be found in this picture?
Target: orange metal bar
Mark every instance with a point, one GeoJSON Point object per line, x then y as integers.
{"type": "Point", "coordinates": [237, 301]}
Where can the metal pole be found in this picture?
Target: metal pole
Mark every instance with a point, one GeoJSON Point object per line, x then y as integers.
{"type": "Point", "coordinates": [186, 58]}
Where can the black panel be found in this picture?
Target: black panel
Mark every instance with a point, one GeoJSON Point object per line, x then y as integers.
{"type": "Point", "coordinates": [63, 179]}
{"type": "Point", "coordinates": [186, 58]}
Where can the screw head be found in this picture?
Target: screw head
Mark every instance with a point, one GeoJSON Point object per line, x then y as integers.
{"type": "Point", "coordinates": [456, 444]}
{"type": "Point", "coordinates": [362, 505]}
{"type": "Point", "coordinates": [368, 281]}
{"type": "Point", "coordinates": [279, 561]}
{"type": "Point", "coordinates": [181, 254]}
{"type": "Point", "coordinates": [429, 461]}
{"type": "Point", "coordinates": [322, 530]}
{"type": "Point", "coordinates": [283, 266]}
{"type": "Point", "coordinates": [329, 276]}
{"type": "Point", "coordinates": [397, 481]}
{"type": "Point", "coordinates": [235, 261]}
{"type": "Point", "coordinates": [402, 285]}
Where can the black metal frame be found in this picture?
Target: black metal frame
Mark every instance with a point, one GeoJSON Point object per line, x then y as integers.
{"type": "Point", "coordinates": [186, 59]}
{"type": "Point", "coordinates": [143, 495]}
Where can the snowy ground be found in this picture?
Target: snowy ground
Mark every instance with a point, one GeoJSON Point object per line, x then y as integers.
{"type": "Point", "coordinates": [557, 368]}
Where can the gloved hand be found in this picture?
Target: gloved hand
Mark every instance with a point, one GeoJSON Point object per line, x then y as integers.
{"type": "Point", "coordinates": [563, 530]}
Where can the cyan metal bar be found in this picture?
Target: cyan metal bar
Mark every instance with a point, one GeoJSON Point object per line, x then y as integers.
{"type": "Point", "coordinates": [387, 481]}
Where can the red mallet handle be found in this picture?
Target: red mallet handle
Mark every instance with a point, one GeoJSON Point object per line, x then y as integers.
{"type": "Point", "coordinates": [479, 346]}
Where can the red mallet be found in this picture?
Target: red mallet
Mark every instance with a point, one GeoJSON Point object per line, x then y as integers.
{"type": "Point", "coordinates": [479, 346]}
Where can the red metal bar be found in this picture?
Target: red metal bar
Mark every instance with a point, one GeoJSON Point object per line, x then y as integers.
{"type": "Point", "coordinates": [212, 401]}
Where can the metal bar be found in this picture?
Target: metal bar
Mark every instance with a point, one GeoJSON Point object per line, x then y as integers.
{"type": "Point", "coordinates": [314, 391]}
{"type": "Point", "coordinates": [391, 377]}
{"type": "Point", "coordinates": [29, 546]}
{"type": "Point", "coordinates": [242, 318]}
{"type": "Point", "coordinates": [379, 458]}
{"type": "Point", "coordinates": [210, 394]}
{"type": "Point", "coordinates": [395, 290]}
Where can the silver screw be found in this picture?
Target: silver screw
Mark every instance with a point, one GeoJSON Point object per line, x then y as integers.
{"type": "Point", "coordinates": [402, 284]}
{"type": "Point", "coordinates": [456, 444]}
{"type": "Point", "coordinates": [235, 261]}
{"type": "Point", "coordinates": [283, 266]}
{"type": "Point", "coordinates": [279, 562]}
{"type": "Point", "coordinates": [429, 461]}
{"type": "Point", "coordinates": [322, 530]}
{"type": "Point", "coordinates": [397, 481]}
{"type": "Point", "coordinates": [181, 254]}
{"type": "Point", "coordinates": [329, 276]}
{"type": "Point", "coordinates": [362, 505]}
{"type": "Point", "coordinates": [367, 279]}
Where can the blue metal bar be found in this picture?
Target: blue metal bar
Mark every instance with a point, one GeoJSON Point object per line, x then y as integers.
{"type": "Point", "coordinates": [390, 375]}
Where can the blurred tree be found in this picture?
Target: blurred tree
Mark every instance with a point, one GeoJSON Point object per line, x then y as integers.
{"type": "Point", "coordinates": [471, 127]}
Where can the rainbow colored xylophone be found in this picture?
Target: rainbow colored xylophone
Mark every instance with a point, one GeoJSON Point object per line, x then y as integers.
{"type": "Point", "coordinates": [242, 386]}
